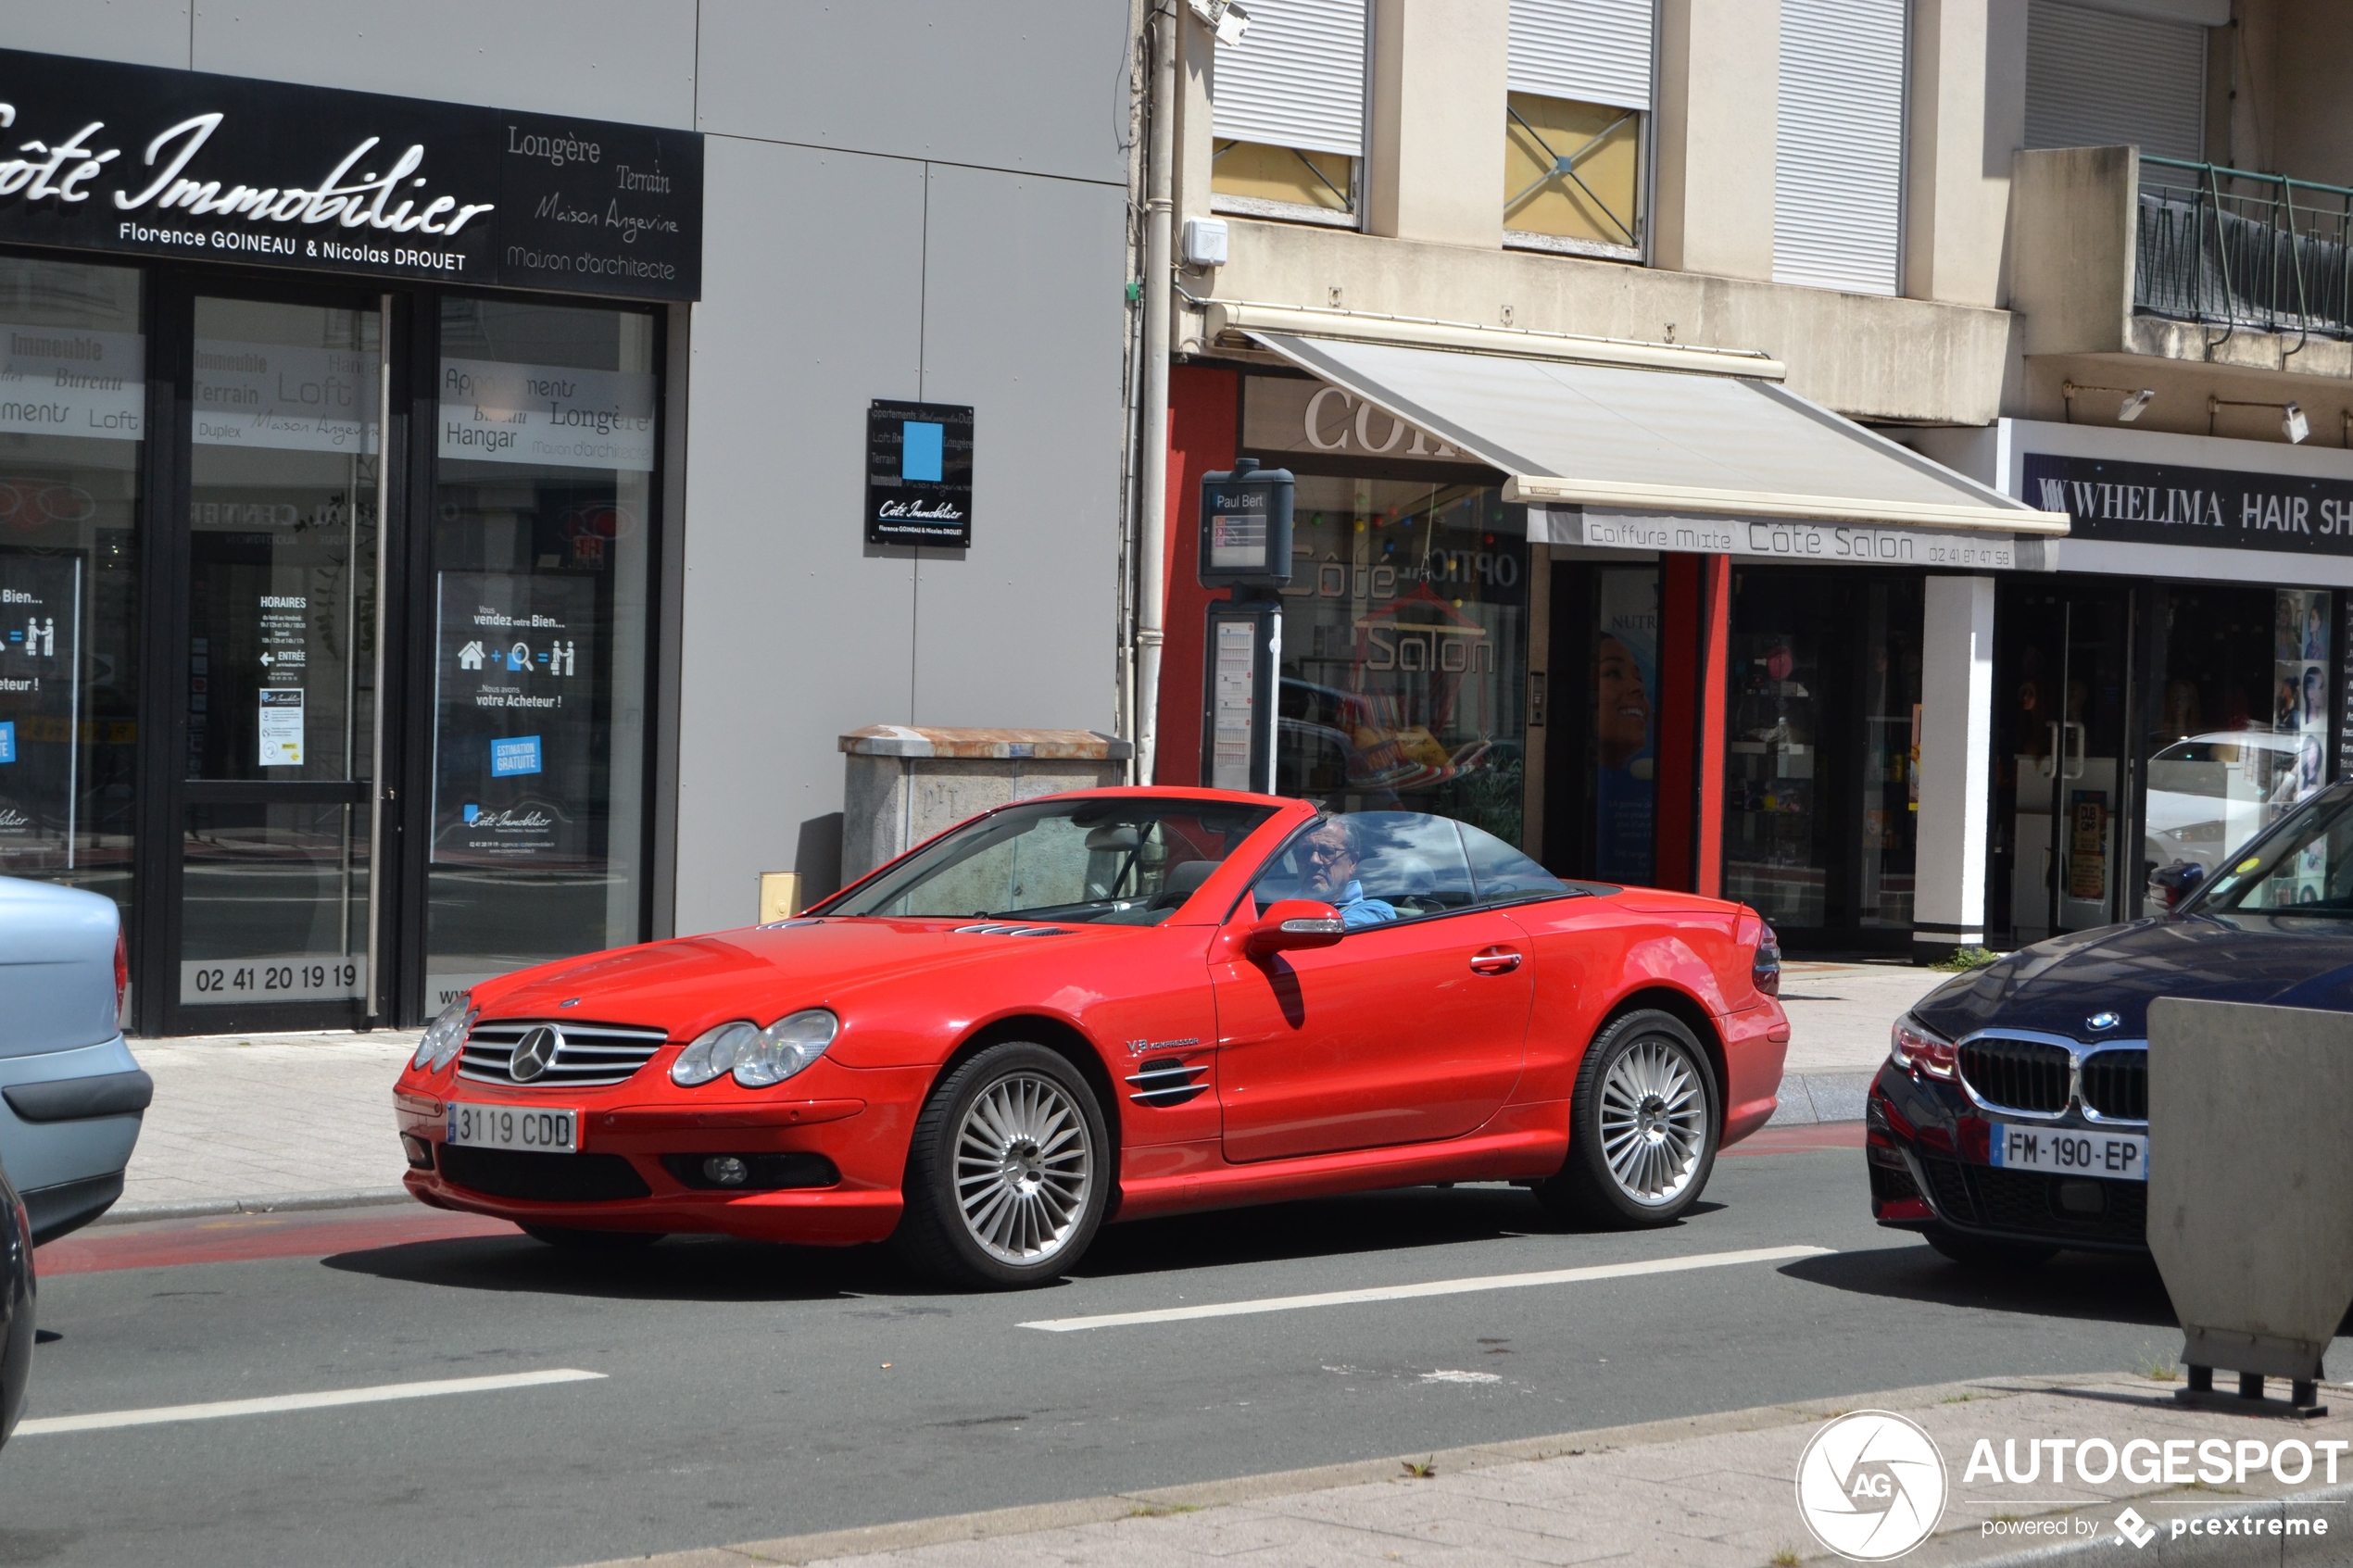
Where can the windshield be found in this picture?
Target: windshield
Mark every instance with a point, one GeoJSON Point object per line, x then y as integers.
{"type": "Point", "coordinates": [2305, 867]}
{"type": "Point", "coordinates": [1126, 862]}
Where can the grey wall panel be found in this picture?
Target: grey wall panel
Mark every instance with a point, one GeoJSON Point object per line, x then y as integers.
{"type": "Point", "coordinates": [1036, 85]}
{"type": "Point", "coordinates": [139, 32]}
{"type": "Point", "coordinates": [1023, 319]}
{"type": "Point", "coordinates": [631, 60]}
{"type": "Point", "coordinates": [790, 633]}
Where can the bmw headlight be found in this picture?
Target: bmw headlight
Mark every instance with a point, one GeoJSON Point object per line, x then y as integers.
{"type": "Point", "coordinates": [714, 1051]}
{"type": "Point", "coordinates": [785, 1046]}
{"type": "Point", "coordinates": [445, 1036]}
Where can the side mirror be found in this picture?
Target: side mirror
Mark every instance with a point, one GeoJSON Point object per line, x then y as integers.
{"type": "Point", "coordinates": [1295, 923]}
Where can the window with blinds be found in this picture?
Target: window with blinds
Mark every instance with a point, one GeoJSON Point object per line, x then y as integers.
{"type": "Point", "coordinates": [1580, 83]}
{"type": "Point", "coordinates": [1838, 167]}
{"type": "Point", "coordinates": [2098, 79]}
{"type": "Point", "coordinates": [1289, 112]}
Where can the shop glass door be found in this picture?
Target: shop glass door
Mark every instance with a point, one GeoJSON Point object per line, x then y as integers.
{"type": "Point", "coordinates": [279, 664]}
{"type": "Point", "coordinates": [2064, 765]}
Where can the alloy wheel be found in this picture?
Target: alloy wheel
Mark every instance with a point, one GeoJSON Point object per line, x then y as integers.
{"type": "Point", "coordinates": [1654, 1121]}
{"type": "Point", "coordinates": [1024, 1167]}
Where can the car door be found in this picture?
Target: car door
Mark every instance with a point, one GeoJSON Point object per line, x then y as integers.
{"type": "Point", "coordinates": [1408, 1030]}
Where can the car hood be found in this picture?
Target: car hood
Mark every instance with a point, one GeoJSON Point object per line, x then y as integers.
{"type": "Point", "coordinates": [688, 984]}
{"type": "Point", "coordinates": [2055, 986]}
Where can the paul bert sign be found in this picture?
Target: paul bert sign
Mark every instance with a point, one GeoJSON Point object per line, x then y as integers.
{"type": "Point", "coordinates": [132, 160]}
{"type": "Point", "coordinates": [2162, 504]}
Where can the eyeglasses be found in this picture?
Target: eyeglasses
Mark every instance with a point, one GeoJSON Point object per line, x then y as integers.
{"type": "Point", "coordinates": [1325, 851]}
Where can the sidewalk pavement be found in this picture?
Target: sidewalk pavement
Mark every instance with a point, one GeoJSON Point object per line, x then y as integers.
{"type": "Point", "coordinates": [251, 1122]}
{"type": "Point", "coordinates": [1714, 1491]}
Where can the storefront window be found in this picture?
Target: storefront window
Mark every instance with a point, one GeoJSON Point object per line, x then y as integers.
{"type": "Point", "coordinates": [1405, 652]}
{"type": "Point", "coordinates": [2241, 721]}
{"type": "Point", "coordinates": [281, 686]}
{"type": "Point", "coordinates": [1626, 725]}
{"type": "Point", "coordinates": [1821, 771]}
{"type": "Point", "coordinates": [543, 557]}
{"type": "Point", "coordinates": [73, 400]}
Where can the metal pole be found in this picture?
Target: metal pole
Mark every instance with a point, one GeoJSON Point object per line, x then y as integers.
{"type": "Point", "coordinates": [1151, 543]}
{"type": "Point", "coordinates": [376, 702]}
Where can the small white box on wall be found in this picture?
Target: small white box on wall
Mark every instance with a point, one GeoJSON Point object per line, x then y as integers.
{"type": "Point", "coordinates": [1204, 244]}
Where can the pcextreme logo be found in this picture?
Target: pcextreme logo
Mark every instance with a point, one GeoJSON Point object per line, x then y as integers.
{"type": "Point", "coordinates": [1870, 1485]}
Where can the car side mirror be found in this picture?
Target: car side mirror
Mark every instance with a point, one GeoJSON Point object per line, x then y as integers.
{"type": "Point", "coordinates": [1291, 924]}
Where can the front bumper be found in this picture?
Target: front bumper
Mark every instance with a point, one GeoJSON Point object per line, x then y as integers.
{"type": "Point", "coordinates": [1926, 1146]}
{"type": "Point", "coordinates": [827, 1164]}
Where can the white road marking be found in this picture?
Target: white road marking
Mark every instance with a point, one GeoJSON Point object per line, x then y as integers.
{"type": "Point", "coordinates": [1429, 1287]}
{"type": "Point", "coordinates": [279, 1402]}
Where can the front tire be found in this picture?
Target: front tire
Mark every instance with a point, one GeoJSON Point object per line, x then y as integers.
{"type": "Point", "coordinates": [1642, 1126]}
{"type": "Point", "coordinates": [1007, 1174]}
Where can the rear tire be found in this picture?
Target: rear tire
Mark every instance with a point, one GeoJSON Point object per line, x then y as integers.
{"type": "Point", "coordinates": [1986, 1252]}
{"type": "Point", "coordinates": [1008, 1174]}
{"type": "Point", "coordinates": [1642, 1126]}
{"type": "Point", "coordinates": [564, 1238]}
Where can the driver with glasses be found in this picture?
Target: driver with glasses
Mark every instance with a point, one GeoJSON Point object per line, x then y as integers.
{"type": "Point", "coordinates": [1327, 860]}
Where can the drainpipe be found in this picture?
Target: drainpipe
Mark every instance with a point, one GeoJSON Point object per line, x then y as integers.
{"type": "Point", "coordinates": [1151, 589]}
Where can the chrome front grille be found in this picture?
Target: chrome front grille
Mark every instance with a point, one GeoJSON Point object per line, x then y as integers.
{"type": "Point", "coordinates": [2116, 1084]}
{"type": "Point", "coordinates": [587, 1055]}
{"type": "Point", "coordinates": [2032, 1076]}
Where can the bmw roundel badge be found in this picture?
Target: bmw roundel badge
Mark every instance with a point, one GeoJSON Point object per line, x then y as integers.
{"type": "Point", "coordinates": [2097, 1021]}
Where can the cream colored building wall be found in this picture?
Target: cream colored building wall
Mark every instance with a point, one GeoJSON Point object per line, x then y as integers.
{"type": "Point", "coordinates": [1436, 167]}
{"type": "Point", "coordinates": [1717, 116]}
{"type": "Point", "coordinates": [1967, 117]}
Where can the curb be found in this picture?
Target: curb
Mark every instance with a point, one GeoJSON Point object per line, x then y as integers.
{"type": "Point", "coordinates": [995, 1523]}
{"type": "Point", "coordinates": [2197, 1551]}
{"type": "Point", "coordinates": [1810, 1097]}
{"type": "Point", "coordinates": [210, 1208]}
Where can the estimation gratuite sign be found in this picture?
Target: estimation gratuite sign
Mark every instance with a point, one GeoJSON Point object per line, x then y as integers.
{"type": "Point", "coordinates": [95, 156]}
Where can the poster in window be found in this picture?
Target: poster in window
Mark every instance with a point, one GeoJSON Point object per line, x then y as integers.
{"type": "Point", "coordinates": [516, 764]}
{"type": "Point", "coordinates": [40, 653]}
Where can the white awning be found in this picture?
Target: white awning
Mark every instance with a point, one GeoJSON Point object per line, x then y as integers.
{"type": "Point", "coordinates": [1644, 437]}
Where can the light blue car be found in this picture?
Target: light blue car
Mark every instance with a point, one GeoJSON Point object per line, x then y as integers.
{"type": "Point", "coordinates": [70, 1093]}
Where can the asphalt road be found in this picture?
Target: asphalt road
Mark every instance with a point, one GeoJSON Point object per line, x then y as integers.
{"type": "Point", "coordinates": [751, 1392]}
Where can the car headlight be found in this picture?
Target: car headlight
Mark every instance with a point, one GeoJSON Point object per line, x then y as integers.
{"type": "Point", "coordinates": [785, 1046]}
{"type": "Point", "coordinates": [713, 1052]}
{"type": "Point", "coordinates": [1916, 1049]}
{"type": "Point", "coordinates": [757, 1057]}
{"type": "Point", "coordinates": [447, 1034]}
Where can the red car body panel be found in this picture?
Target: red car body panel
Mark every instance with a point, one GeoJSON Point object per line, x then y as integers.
{"type": "Point", "coordinates": [1438, 1050]}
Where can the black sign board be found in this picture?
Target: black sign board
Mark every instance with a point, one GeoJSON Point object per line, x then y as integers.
{"type": "Point", "coordinates": [2162, 504]}
{"type": "Point", "coordinates": [919, 474]}
{"type": "Point", "coordinates": [145, 161]}
{"type": "Point", "coordinates": [1245, 527]}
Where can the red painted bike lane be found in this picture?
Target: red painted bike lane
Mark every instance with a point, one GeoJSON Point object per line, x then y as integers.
{"type": "Point", "coordinates": [236, 1238]}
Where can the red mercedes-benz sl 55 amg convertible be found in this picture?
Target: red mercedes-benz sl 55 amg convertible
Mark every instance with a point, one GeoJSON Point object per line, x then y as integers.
{"type": "Point", "coordinates": [1107, 1005]}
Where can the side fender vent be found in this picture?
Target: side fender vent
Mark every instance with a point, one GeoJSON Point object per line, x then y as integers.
{"type": "Point", "coordinates": [1164, 1080]}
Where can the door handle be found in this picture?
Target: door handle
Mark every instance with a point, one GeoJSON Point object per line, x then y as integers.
{"type": "Point", "coordinates": [2079, 736]}
{"type": "Point", "coordinates": [1495, 961]}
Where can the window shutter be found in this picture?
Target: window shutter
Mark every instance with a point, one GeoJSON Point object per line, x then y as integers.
{"type": "Point", "coordinates": [2094, 79]}
{"type": "Point", "coordinates": [1838, 167]}
{"type": "Point", "coordinates": [1297, 78]}
{"type": "Point", "coordinates": [1593, 51]}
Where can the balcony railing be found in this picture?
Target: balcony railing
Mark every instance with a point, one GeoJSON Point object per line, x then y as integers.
{"type": "Point", "coordinates": [2259, 252]}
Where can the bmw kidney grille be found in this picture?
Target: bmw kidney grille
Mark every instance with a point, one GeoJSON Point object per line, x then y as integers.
{"type": "Point", "coordinates": [533, 1054]}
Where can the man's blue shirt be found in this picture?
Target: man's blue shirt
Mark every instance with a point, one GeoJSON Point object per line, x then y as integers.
{"type": "Point", "coordinates": [1356, 911]}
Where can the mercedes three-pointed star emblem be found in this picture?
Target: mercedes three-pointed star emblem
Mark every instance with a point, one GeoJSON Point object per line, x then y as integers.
{"type": "Point", "coordinates": [533, 1052]}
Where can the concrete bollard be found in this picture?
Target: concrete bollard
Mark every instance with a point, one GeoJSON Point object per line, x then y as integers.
{"type": "Point", "coordinates": [2251, 1191]}
{"type": "Point", "coordinates": [902, 783]}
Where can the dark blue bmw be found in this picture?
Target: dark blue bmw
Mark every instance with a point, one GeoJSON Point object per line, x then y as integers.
{"type": "Point", "coordinates": [2011, 1119]}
